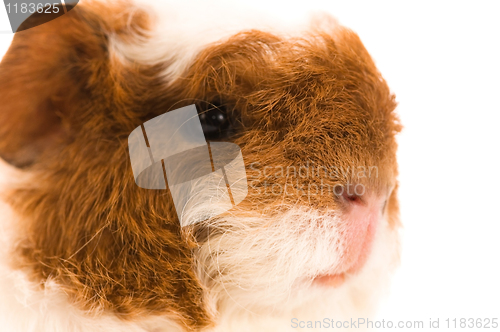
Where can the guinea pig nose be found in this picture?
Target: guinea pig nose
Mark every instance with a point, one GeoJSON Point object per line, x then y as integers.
{"type": "Point", "coordinates": [360, 216]}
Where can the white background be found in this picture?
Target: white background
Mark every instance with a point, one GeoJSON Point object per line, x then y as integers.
{"type": "Point", "coordinates": [443, 62]}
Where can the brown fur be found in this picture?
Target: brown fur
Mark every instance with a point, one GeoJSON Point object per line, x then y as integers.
{"type": "Point", "coordinates": [70, 105]}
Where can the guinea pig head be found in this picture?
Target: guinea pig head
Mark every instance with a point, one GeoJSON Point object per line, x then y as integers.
{"type": "Point", "coordinates": [314, 121]}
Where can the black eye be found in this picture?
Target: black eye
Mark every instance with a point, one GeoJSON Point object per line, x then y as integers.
{"type": "Point", "coordinates": [214, 120]}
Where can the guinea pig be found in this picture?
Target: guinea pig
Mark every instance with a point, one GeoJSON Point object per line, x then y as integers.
{"type": "Point", "coordinates": [315, 237]}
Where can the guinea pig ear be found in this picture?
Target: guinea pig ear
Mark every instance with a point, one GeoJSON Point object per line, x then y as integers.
{"type": "Point", "coordinates": [46, 75]}
{"type": "Point", "coordinates": [41, 83]}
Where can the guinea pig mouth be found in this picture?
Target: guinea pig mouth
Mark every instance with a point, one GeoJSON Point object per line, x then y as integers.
{"type": "Point", "coordinates": [330, 280]}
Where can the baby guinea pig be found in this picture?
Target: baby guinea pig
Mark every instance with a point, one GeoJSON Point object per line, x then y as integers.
{"type": "Point", "coordinates": [87, 249]}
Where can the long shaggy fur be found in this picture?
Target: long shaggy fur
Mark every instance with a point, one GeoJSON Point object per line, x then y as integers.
{"type": "Point", "coordinates": [86, 235]}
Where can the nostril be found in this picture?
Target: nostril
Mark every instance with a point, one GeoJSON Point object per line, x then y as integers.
{"type": "Point", "coordinates": [351, 194]}
{"type": "Point", "coordinates": [352, 198]}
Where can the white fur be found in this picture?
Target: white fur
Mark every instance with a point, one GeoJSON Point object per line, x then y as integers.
{"type": "Point", "coordinates": [357, 297]}
{"type": "Point", "coordinates": [263, 274]}
{"type": "Point", "coordinates": [180, 32]}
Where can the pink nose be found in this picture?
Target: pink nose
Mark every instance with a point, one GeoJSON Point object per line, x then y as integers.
{"type": "Point", "coordinates": [360, 220]}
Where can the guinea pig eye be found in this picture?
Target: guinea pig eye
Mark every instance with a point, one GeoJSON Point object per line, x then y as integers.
{"type": "Point", "coordinates": [214, 120]}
